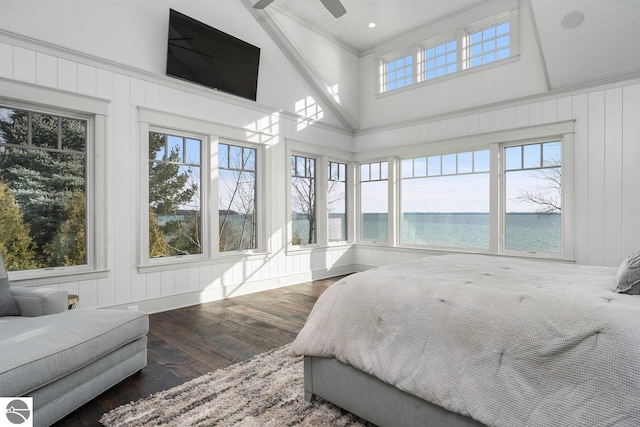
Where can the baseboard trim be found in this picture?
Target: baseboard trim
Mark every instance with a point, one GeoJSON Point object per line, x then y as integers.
{"type": "Point", "coordinates": [173, 302]}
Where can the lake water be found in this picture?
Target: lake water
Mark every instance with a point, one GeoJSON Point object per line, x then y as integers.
{"type": "Point", "coordinates": [525, 232]}
{"type": "Point", "coordinates": [528, 232]}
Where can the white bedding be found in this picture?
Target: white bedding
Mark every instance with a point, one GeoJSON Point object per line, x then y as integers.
{"type": "Point", "coordinates": [508, 342]}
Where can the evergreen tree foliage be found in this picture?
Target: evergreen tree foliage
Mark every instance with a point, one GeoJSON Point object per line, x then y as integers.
{"type": "Point", "coordinates": [16, 245]}
{"type": "Point", "coordinates": [170, 189]}
{"type": "Point", "coordinates": [44, 173]}
{"type": "Point", "coordinates": [69, 244]}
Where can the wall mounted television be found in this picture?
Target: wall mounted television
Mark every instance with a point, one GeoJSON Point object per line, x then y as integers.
{"type": "Point", "coordinates": [204, 55]}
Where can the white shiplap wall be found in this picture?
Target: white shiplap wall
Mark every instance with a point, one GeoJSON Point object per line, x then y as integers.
{"type": "Point", "coordinates": [127, 90]}
{"type": "Point", "coordinates": [606, 157]}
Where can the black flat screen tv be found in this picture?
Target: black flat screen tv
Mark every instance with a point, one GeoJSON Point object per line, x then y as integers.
{"type": "Point", "coordinates": [204, 55]}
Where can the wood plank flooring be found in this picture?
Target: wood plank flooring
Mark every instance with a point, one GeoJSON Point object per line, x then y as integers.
{"type": "Point", "coordinates": [186, 343]}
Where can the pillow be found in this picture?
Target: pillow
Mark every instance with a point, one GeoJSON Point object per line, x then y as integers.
{"type": "Point", "coordinates": [628, 276]}
{"type": "Point", "coordinates": [8, 306]}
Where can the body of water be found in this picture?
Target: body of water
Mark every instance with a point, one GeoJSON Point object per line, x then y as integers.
{"type": "Point", "coordinates": [526, 232]}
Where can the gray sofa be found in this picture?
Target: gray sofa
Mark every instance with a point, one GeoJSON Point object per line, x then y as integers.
{"type": "Point", "coordinates": [64, 358]}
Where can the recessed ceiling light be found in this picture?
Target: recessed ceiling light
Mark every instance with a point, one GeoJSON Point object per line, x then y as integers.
{"type": "Point", "coordinates": [572, 20]}
{"type": "Point", "coordinates": [372, 25]}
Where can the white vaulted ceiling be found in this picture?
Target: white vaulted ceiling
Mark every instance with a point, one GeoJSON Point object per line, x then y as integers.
{"type": "Point", "coordinates": [605, 46]}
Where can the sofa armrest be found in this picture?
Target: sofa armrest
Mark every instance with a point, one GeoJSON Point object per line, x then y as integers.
{"type": "Point", "coordinates": [39, 301]}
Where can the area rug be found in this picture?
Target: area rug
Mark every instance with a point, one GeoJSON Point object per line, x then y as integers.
{"type": "Point", "coordinates": [267, 390]}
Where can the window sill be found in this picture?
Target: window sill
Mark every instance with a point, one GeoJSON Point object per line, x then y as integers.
{"type": "Point", "coordinates": [446, 77]}
{"type": "Point", "coordinates": [441, 251]}
{"type": "Point", "coordinates": [297, 250]}
{"type": "Point", "coordinates": [176, 264]}
{"type": "Point", "coordinates": [55, 276]}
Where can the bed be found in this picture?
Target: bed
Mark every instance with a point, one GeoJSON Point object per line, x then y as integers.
{"type": "Point", "coordinates": [471, 340]}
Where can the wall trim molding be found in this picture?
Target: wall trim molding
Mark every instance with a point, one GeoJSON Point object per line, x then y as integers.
{"type": "Point", "coordinates": [538, 97]}
{"type": "Point", "coordinates": [173, 302]}
{"type": "Point", "coordinates": [25, 42]}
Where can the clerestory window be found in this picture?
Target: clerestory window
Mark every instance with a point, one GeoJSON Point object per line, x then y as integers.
{"type": "Point", "coordinates": [457, 51]}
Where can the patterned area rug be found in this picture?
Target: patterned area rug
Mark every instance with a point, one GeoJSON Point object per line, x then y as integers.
{"type": "Point", "coordinates": [264, 391]}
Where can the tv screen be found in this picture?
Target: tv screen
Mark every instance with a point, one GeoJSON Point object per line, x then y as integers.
{"type": "Point", "coordinates": [201, 54]}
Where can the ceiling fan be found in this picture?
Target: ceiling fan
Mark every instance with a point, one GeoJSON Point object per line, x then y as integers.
{"type": "Point", "coordinates": [334, 6]}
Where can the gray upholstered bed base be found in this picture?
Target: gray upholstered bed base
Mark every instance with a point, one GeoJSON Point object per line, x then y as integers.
{"type": "Point", "coordinates": [372, 399]}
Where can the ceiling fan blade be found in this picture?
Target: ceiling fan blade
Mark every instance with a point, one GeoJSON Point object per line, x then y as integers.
{"type": "Point", "coordinates": [335, 7]}
{"type": "Point", "coordinates": [262, 4]}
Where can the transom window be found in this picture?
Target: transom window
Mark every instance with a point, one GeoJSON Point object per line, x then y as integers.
{"type": "Point", "coordinates": [488, 45]}
{"type": "Point", "coordinates": [43, 189]}
{"type": "Point", "coordinates": [484, 42]}
{"type": "Point", "coordinates": [439, 60]}
{"type": "Point", "coordinates": [397, 73]}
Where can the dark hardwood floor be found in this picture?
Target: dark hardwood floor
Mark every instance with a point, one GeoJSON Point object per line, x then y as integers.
{"type": "Point", "coordinates": [189, 342]}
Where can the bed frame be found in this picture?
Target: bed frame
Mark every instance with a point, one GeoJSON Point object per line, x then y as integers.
{"type": "Point", "coordinates": [372, 399]}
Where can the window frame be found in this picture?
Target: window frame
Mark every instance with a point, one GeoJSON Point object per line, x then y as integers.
{"type": "Point", "coordinates": [204, 203]}
{"type": "Point", "coordinates": [382, 67]}
{"type": "Point", "coordinates": [347, 192]}
{"type": "Point", "coordinates": [441, 174]}
{"type": "Point", "coordinates": [258, 191]}
{"type": "Point", "coordinates": [94, 111]}
{"type": "Point", "coordinates": [461, 36]}
{"type": "Point", "coordinates": [566, 186]}
{"type": "Point", "coordinates": [322, 156]}
{"type": "Point", "coordinates": [153, 120]}
{"type": "Point", "coordinates": [392, 229]}
{"type": "Point", "coordinates": [556, 131]}
{"type": "Point", "coordinates": [320, 200]}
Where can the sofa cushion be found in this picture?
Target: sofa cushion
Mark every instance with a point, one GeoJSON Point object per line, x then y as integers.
{"type": "Point", "coordinates": [39, 350]}
{"type": "Point", "coordinates": [8, 305]}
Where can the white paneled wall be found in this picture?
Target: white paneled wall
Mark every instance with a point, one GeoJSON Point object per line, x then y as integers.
{"type": "Point", "coordinates": [127, 90]}
{"type": "Point", "coordinates": [606, 157]}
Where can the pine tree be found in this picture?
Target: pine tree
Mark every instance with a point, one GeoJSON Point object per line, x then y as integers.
{"type": "Point", "coordinates": [169, 189]}
{"type": "Point", "coordinates": [69, 244]}
{"type": "Point", "coordinates": [16, 245]}
{"type": "Point", "coordinates": [43, 176]}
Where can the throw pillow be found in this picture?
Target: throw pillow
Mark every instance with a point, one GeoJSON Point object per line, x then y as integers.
{"type": "Point", "coordinates": [628, 276]}
{"type": "Point", "coordinates": [8, 306]}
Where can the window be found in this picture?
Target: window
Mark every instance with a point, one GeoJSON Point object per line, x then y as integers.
{"type": "Point", "coordinates": [483, 42]}
{"type": "Point", "coordinates": [444, 200]}
{"type": "Point", "coordinates": [175, 194]}
{"type": "Point", "coordinates": [374, 201]}
{"type": "Point", "coordinates": [337, 202]}
{"type": "Point", "coordinates": [397, 73]}
{"type": "Point", "coordinates": [43, 189]}
{"type": "Point", "coordinates": [488, 45]}
{"type": "Point", "coordinates": [237, 197]}
{"type": "Point", "coordinates": [533, 197]}
{"type": "Point", "coordinates": [439, 60]}
{"type": "Point", "coordinates": [303, 200]}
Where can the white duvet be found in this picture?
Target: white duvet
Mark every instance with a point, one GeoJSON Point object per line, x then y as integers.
{"type": "Point", "coordinates": [508, 342]}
